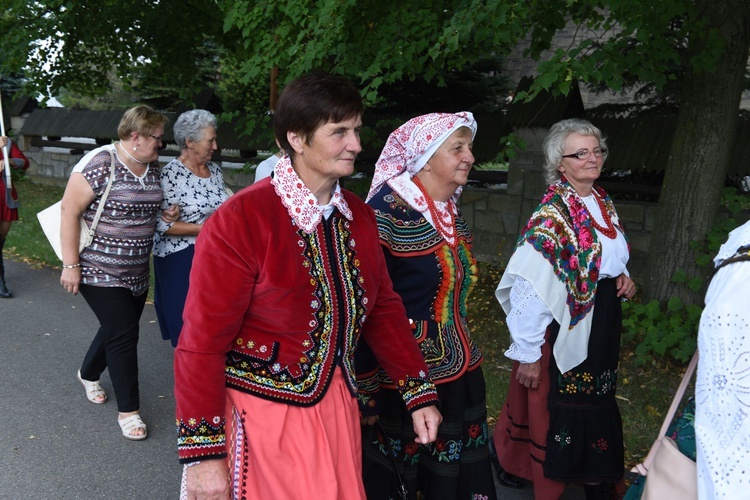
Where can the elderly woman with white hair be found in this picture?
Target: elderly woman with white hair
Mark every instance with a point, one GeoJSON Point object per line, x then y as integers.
{"type": "Point", "coordinates": [195, 184]}
{"type": "Point", "coordinates": [427, 245]}
{"type": "Point", "coordinates": [561, 292]}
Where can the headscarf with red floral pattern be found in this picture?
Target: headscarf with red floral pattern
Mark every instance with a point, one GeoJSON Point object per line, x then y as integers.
{"type": "Point", "coordinates": [411, 146]}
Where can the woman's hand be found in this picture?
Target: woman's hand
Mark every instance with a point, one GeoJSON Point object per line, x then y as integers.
{"type": "Point", "coordinates": [70, 279]}
{"type": "Point", "coordinates": [625, 286]}
{"type": "Point", "coordinates": [529, 374]}
{"type": "Point", "coordinates": [171, 215]}
{"type": "Point", "coordinates": [368, 420]}
{"type": "Point", "coordinates": [209, 480]}
{"type": "Point", "coordinates": [426, 422]}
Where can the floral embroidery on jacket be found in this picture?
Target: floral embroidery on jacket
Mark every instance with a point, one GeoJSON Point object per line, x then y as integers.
{"type": "Point", "coordinates": [202, 438]}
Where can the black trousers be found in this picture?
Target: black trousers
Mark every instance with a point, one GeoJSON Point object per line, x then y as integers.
{"type": "Point", "coordinates": [115, 345]}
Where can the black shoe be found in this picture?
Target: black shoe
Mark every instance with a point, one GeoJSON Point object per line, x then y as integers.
{"type": "Point", "coordinates": [4, 292]}
{"type": "Point", "coordinates": [506, 479]}
{"type": "Point", "coordinates": [602, 491]}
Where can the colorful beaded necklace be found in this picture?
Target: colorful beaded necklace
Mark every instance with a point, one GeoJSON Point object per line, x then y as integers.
{"type": "Point", "coordinates": [446, 229]}
{"type": "Point", "coordinates": [609, 231]}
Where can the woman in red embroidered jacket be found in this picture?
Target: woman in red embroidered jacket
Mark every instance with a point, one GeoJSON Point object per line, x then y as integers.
{"type": "Point", "coordinates": [427, 246]}
{"type": "Point", "coordinates": [287, 275]}
{"type": "Point", "coordinates": [7, 215]}
{"type": "Point", "coordinates": [561, 292]}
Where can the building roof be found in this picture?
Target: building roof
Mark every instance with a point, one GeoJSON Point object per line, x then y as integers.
{"type": "Point", "coordinates": [102, 125]}
{"type": "Point", "coordinates": [545, 109]}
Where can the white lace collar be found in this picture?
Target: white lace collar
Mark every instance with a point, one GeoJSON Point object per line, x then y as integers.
{"type": "Point", "coordinates": [300, 203]}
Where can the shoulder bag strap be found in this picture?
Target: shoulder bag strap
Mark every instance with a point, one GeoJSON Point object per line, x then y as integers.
{"type": "Point", "coordinates": [103, 199]}
{"type": "Point", "coordinates": [646, 466]}
{"type": "Point", "coordinates": [402, 491]}
{"type": "Point", "coordinates": [678, 395]}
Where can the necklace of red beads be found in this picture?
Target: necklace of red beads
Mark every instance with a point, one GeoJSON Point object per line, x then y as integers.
{"type": "Point", "coordinates": [446, 228]}
{"type": "Point", "coordinates": [609, 231]}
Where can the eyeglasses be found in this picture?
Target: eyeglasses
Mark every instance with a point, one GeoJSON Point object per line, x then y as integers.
{"type": "Point", "coordinates": [156, 138]}
{"type": "Point", "coordinates": [585, 154]}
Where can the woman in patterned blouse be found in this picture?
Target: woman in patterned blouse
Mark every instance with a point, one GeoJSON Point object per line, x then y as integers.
{"type": "Point", "coordinates": [112, 273]}
{"type": "Point", "coordinates": [561, 292]}
{"type": "Point", "coordinates": [195, 184]}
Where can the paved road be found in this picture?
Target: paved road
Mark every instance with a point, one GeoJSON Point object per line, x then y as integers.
{"type": "Point", "coordinates": [54, 444]}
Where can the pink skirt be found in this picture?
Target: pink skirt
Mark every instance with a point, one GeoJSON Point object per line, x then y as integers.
{"type": "Point", "coordinates": [283, 451]}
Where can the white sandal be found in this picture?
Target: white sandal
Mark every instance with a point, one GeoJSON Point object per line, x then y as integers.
{"type": "Point", "coordinates": [127, 425]}
{"type": "Point", "coordinates": [93, 390]}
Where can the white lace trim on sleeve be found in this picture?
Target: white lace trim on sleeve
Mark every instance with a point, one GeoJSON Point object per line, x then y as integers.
{"type": "Point", "coordinates": [527, 321]}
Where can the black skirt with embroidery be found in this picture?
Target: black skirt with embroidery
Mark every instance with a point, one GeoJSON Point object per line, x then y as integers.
{"type": "Point", "coordinates": [584, 441]}
{"type": "Point", "coordinates": [456, 466]}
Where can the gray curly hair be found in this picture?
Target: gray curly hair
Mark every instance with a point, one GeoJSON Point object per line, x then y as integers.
{"type": "Point", "coordinates": [191, 124]}
{"type": "Point", "coordinates": [554, 144]}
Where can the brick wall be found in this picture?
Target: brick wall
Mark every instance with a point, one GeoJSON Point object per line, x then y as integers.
{"type": "Point", "coordinates": [495, 215]}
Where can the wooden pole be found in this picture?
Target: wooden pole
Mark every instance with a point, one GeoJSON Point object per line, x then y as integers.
{"type": "Point", "coordinates": [9, 201]}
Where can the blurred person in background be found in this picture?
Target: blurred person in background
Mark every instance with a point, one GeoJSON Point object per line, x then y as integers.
{"type": "Point", "coordinates": [196, 185]}
{"type": "Point", "coordinates": [7, 214]}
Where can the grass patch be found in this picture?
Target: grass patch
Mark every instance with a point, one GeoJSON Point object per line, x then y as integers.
{"type": "Point", "coordinates": [644, 392]}
{"type": "Point", "coordinates": [26, 241]}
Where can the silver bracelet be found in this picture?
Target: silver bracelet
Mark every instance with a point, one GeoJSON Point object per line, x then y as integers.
{"type": "Point", "coordinates": [71, 266]}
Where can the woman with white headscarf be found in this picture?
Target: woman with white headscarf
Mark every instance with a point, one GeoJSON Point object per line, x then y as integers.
{"type": "Point", "coordinates": [427, 246]}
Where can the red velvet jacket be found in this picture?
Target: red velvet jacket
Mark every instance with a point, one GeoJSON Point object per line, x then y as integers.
{"type": "Point", "coordinates": [272, 311]}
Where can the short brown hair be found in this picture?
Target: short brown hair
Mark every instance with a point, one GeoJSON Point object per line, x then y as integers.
{"type": "Point", "coordinates": [142, 119]}
{"type": "Point", "coordinates": [313, 100]}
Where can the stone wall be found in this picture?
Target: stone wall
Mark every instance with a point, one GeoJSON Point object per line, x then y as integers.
{"type": "Point", "coordinates": [496, 216]}
{"type": "Point", "coordinates": [53, 168]}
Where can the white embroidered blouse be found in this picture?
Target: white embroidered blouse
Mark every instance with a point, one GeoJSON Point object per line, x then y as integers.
{"type": "Point", "coordinates": [529, 316]}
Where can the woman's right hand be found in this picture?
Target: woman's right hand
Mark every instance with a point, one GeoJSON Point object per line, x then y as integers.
{"type": "Point", "coordinates": [529, 374]}
{"type": "Point", "coordinates": [209, 480]}
{"type": "Point", "coordinates": [70, 279]}
{"type": "Point", "coordinates": [171, 214]}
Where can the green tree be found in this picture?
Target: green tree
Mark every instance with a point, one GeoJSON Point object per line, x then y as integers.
{"type": "Point", "coordinates": [696, 46]}
{"type": "Point", "coordinates": [77, 45]}
{"type": "Point", "coordinates": [699, 47]}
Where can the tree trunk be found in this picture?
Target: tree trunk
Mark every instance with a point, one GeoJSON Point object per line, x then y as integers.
{"type": "Point", "coordinates": [704, 136]}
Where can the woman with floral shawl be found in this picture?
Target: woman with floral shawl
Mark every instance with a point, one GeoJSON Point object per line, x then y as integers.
{"type": "Point", "coordinates": [561, 292]}
{"type": "Point", "coordinates": [427, 247]}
